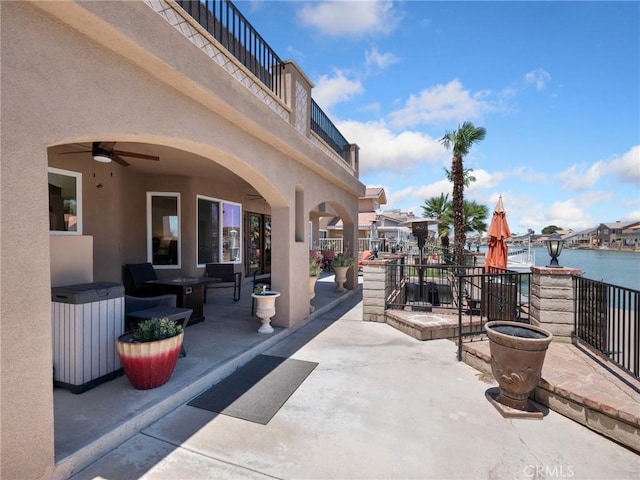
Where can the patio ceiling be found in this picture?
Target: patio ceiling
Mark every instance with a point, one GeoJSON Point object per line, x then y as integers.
{"type": "Point", "coordinates": [172, 161]}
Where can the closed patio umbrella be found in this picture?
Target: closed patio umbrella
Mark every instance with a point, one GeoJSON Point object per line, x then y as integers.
{"type": "Point", "coordinates": [498, 233]}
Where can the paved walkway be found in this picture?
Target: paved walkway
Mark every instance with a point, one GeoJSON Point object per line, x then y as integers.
{"type": "Point", "coordinates": [380, 405]}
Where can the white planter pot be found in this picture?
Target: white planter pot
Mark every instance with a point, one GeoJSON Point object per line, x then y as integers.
{"type": "Point", "coordinates": [265, 309]}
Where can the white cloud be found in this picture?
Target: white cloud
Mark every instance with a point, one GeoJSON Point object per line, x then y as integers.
{"type": "Point", "coordinates": [380, 148]}
{"type": "Point", "coordinates": [565, 214]}
{"type": "Point", "coordinates": [349, 19]}
{"type": "Point", "coordinates": [568, 213]}
{"type": "Point", "coordinates": [632, 216]}
{"type": "Point", "coordinates": [373, 58]}
{"type": "Point", "coordinates": [484, 180]}
{"type": "Point", "coordinates": [538, 78]}
{"type": "Point", "coordinates": [627, 167]}
{"type": "Point", "coordinates": [582, 176]}
{"type": "Point", "coordinates": [398, 197]}
{"type": "Point", "coordinates": [331, 90]}
{"type": "Point", "coordinates": [450, 102]}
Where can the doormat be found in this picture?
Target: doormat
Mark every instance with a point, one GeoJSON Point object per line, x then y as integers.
{"type": "Point", "coordinates": [256, 391]}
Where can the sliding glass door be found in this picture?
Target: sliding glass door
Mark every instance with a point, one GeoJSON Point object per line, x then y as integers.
{"type": "Point", "coordinates": [257, 243]}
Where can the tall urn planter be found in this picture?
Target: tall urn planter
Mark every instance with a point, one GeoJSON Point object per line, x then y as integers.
{"type": "Point", "coordinates": [265, 309]}
{"type": "Point", "coordinates": [341, 277]}
{"type": "Point", "coordinates": [312, 291]}
{"type": "Point", "coordinates": [340, 265]}
{"type": "Point", "coordinates": [517, 355]}
{"type": "Point", "coordinates": [149, 362]}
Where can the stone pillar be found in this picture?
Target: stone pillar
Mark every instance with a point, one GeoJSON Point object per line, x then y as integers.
{"type": "Point", "coordinates": [298, 96]}
{"type": "Point", "coordinates": [374, 282]}
{"type": "Point", "coordinates": [552, 300]}
{"type": "Point", "coordinates": [354, 157]}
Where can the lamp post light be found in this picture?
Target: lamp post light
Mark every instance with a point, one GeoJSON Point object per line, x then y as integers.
{"type": "Point", "coordinates": [420, 230]}
{"type": "Point", "coordinates": [375, 241]}
{"type": "Point", "coordinates": [554, 247]}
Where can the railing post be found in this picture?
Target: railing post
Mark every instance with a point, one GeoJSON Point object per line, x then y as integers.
{"type": "Point", "coordinates": [552, 300]}
{"type": "Point", "coordinates": [297, 91]}
{"type": "Point", "coordinates": [374, 287]}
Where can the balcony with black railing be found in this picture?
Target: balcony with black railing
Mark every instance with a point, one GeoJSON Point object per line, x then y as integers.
{"type": "Point", "coordinates": [224, 22]}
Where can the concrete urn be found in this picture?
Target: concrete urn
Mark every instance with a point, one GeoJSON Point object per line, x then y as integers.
{"type": "Point", "coordinates": [312, 291]}
{"type": "Point", "coordinates": [517, 355]}
{"type": "Point", "coordinates": [341, 277]}
{"type": "Point", "coordinates": [265, 309]}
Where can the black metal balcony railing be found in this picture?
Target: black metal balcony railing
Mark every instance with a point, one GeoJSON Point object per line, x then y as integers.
{"type": "Point", "coordinates": [327, 131]}
{"type": "Point", "coordinates": [607, 318]}
{"type": "Point", "coordinates": [229, 27]}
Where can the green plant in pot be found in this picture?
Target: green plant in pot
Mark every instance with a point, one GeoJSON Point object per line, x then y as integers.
{"type": "Point", "coordinates": [343, 259]}
{"type": "Point", "coordinates": [315, 265]}
{"type": "Point", "coordinates": [148, 354]}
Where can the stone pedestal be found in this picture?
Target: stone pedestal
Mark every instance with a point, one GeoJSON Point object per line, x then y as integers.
{"type": "Point", "coordinates": [552, 300]}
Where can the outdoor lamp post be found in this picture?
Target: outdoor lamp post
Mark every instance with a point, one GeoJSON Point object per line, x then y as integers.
{"type": "Point", "coordinates": [374, 238]}
{"type": "Point", "coordinates": [554, 247]}
{"type": "Point", "coordinates": [420, 230]}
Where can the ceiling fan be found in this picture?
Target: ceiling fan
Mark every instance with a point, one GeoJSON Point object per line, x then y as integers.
{"type": "Point", "coordinates": [104, 152]}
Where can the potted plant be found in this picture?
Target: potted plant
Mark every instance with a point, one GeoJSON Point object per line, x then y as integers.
{"type": "Point", "coordinates": [316, 263]}
{"type": "Point", "coordinates": [265, 307]}
{"type": "Point", "coordinates": [149, 353]}
{"type": "Point", "coordinates": [340, 265]}
{"type": "Point", "coordinates": [517, 354]}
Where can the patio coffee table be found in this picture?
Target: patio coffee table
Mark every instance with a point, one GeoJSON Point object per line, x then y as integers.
{"type": "Point", "coordinates": [189, 292]}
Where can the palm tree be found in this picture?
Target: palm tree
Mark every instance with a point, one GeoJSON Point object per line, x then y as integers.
{"type": "Point", "coordinates": [468, 178]}
{"type": "Point", "coordinates": [475, 215]}
{"type": "Point", "coordinates": [438, 208]}
{"type": "Point", "coordinates": [461, 141]}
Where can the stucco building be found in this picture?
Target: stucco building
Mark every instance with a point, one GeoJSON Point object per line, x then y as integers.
{"type": "Point", "coordinates": [220, 159]}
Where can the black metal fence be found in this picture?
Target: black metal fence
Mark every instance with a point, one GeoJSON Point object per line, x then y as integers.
{"type": "Point", "coordinates": [607, 319]}
{"type": "Point", "coordinates": [229, 27]}
{"type": "Point", "coordinates": [475, 295]}
{"type": "Point", "coordinates": [327, 131]}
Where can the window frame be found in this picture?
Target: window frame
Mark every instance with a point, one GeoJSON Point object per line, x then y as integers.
{"type": "Point", "coordinates": [221, 225]}
{"type": "Point", "coordinates": [78, 180]}
{"type": "Point", "coordinates": [150, 196]}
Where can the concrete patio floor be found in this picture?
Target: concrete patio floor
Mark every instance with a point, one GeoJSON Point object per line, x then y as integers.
{"type": "Point", "coordinates": [90, 424]}
{"type": "Point", "coordinates": [380, 404]}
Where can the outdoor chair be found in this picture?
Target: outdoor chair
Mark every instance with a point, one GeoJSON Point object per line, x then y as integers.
{"type": "Point", "coordinates": [223, 275]}
{"type": "Point", "coordinates": [328, 256]}
{"type": "Point", "coordinates": [135, 276]}
{"type": "Point", "coordinates": [260, 279]}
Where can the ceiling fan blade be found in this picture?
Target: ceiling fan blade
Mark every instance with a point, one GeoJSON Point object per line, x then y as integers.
{"type": "Point", "coordinates": [136, 155]}
{"type": "Point", "coordinates": [105, 145]}
{"type": "Point", "coordinates": [116, 158]}
{"type": "Point", "coordinates": [70, 153]}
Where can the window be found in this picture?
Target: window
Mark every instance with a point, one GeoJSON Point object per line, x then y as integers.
{"type": "Point", "coordinates": [219, 231]}
{"type": "Point", "coordinates": [65, 202]}
{"type": "Point", "coordinates": [163, 229]}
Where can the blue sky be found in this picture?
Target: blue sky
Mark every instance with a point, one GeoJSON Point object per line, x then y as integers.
{"type": "Point", "coordinates": [555, 84]}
